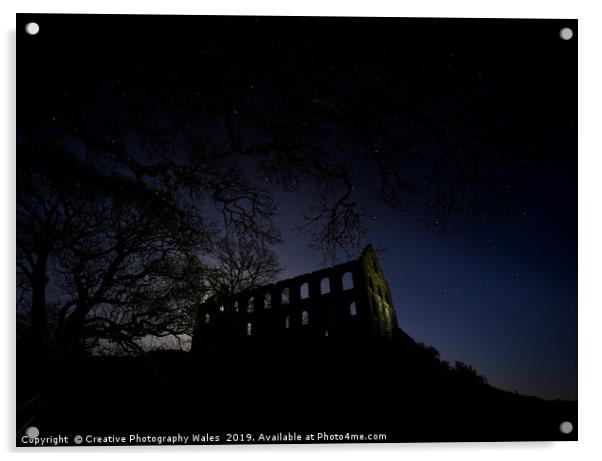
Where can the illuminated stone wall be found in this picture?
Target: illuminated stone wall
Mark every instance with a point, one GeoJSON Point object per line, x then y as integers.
{"type": "Point", "coordinates": [344, 301]}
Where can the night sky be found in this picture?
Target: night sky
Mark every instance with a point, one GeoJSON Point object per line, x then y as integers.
{"type": "Point", "coordinates": [499, 294]}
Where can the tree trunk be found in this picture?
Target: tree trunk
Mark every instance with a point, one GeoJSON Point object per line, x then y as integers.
{"type": "Point", "coordinates": [38, 305]}
{"type": "Point", "coordinates": [70, 337]}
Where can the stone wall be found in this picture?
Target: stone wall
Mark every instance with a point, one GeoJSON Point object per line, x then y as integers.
{"type": "Point", "coordinates": [344, 301]}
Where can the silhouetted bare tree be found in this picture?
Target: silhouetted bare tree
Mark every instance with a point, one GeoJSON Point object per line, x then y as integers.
{"type": "Point", "coordinates": [239, 263]}
{"type": "Point", "coordinates": [119, 242]}
{"type": "Point", "coordinates": [168, 164]}
{"type": "Point", "coordinates": [391, 134]}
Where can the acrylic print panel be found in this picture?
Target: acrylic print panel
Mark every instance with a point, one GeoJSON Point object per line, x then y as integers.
{"type": "Point", "coordinates": [295, 230]}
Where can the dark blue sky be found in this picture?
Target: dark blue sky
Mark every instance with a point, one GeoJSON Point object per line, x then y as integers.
{"type": "Point", "coordinates": [500, 295]}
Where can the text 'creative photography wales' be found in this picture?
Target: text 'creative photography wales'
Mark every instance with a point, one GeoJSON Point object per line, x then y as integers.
{"type": "Point", "coordinates": [244, 230]}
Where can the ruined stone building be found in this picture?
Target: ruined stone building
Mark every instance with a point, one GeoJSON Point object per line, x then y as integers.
{"type": "Point", "coordinates": [349, 300]}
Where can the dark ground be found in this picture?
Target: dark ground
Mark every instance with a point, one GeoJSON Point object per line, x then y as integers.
{"type": "Point", "coordinates": [393, 387]}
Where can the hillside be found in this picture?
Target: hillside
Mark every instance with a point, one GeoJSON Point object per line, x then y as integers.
{"type": "Point", "coordinates": [399, 388]}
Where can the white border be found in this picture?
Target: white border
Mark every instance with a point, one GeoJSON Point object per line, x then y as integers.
{"type": "Point", "coordinates": [590, 208]}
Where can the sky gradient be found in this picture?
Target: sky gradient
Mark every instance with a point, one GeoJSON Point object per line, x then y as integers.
{"type": "Point", "coordinates": [499, 294]}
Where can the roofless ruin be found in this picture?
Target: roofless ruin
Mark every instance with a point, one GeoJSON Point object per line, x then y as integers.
{"type": "Point", "coordinates": [349, 300]}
